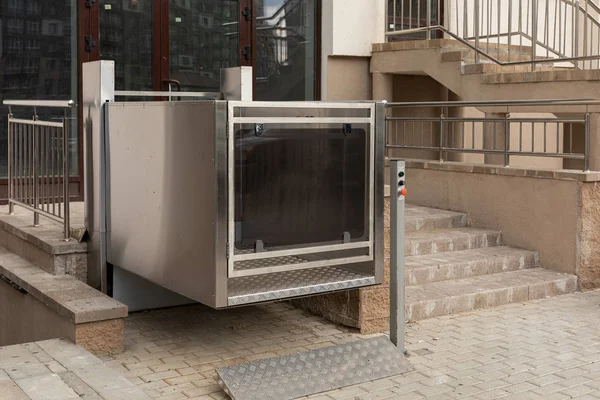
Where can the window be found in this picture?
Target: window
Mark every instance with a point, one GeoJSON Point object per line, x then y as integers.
{"type": "Point", "coordinates": [50, 64]}
{"type": "Point", "coordinates": [32, 45]}
{"type": "Point", "coordinates": [14, 25]}
{"type": "Point", "coordinates": [14, 45]}
{"type": "Point", "coordinates": [33, 27]}
{"type": "Point", "coordinates": [52, 28]}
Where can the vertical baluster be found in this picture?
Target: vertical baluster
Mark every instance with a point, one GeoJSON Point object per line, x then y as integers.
{"type": "Point", "coordinates": [520, 23]}
{"type": "Point", "coordinates": [558, 137]}
{"type": "Point", "coordinates": [521, 136]}
{"type": "Point", "coordinates": [10, 161]}
{"type": "Point", "coordinates": [66, 177]}
{"type": "Point", "coordinates": [476, 28]}
{"type": "Point", "coordinates": [53, 179]}
{"type": "Point", "coordinates": [34, 164]}
{"type": "Point", "coordinates": [571, 139]}
{"type": "Point", "coordinates": [510, 10]}
{"type": "Point", "coordinates": [547, 29]}
{"type": "Point", "coordinates": [534, 32]}
{"type": "Point", "coordinates": [545, 131]}
{"type": "Point", "coordinates": [533, 137]}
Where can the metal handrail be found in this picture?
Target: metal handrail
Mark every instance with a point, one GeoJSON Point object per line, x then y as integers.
{"type": "Point", "coordinates": [566, 31]}
{"type": "Point", "coordinates": [37, 150]}
{"type": "Point", "coordinates": [456, 134]}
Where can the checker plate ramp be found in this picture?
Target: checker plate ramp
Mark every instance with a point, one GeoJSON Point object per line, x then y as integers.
{"type": "Point", "coordinates": [316, 371]}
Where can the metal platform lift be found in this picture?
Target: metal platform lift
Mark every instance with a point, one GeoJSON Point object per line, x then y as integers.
{"type": "Point", "coordinates": [229, 202]}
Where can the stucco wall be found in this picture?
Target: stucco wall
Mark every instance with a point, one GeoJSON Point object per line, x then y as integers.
{"type": "Point", "coordinates": [532, 213]}
{"type": "Point", "coordinates": [349, 78]}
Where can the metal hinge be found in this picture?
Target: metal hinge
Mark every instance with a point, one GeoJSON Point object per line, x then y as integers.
{"type": "Point", "coordinates": [247, 53]}
{"type": "Point", "coordinates": [247, 13]}
{"type": "Point", "coordinates": [227, 249]}
{"type": "Point", "coordinates": [88, 3]}
{"type": "Point", "coordinates": [89, 43]}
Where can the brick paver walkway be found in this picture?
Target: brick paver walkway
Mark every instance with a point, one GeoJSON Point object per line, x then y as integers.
{"type": "Point", "coordinates": [546, 349]}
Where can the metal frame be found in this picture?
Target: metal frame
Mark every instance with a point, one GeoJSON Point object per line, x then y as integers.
{"type": "Point", "coordinates": [232, 121]}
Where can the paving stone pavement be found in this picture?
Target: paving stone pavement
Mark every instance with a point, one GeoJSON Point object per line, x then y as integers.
{"type": "Point", "coordinates": [57, 369]}
{"type": "Point", "coordinates": [543, 349]}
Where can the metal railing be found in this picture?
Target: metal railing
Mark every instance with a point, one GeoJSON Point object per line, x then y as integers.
{"type": "Point", "coordinates": [507, 32]}
{"type": "Point", "coordinates": [38, 162]}
{"type": "Point", "coordinates": [504, 129]}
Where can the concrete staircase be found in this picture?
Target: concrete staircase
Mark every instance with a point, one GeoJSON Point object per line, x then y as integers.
{"type": "Point", "coordinates": [450, 268]}
{"type": "Point", "coordinates": [453, 65]}
{"type": "Point", "coordinates": [453, 268]}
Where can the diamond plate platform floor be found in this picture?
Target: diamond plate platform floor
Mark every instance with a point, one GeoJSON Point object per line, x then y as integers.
{"type": "Point", "coordinates": [302, 374]}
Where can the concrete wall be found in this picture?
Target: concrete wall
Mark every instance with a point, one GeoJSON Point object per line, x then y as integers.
{"type": "Point", "coordinates": [532, 213]}
{"type": "Point", "coordinates": [25, 319]}
{"type": "Point", "coordinates": [349, 78]}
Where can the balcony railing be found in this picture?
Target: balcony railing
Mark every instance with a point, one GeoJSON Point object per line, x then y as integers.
{"type": "Point", "coordinates": [506, 32]}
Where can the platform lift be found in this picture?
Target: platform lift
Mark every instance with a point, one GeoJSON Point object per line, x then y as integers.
{"type": "Point", "coordinates": [217, 199]}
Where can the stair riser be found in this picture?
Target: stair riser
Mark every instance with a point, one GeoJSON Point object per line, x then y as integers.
{"type": "Point", "coordinates": [457, 243]}
{"type": "Point", "coordinates": [428, 224]}
{"type": "Point", "coordinates": [437, 273]}
{"type": "Point", "coordinates": [459, 304]}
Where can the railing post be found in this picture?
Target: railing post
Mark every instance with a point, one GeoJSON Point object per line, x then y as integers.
{"type": "Point", "coordinates": [11, 206]}
{"type": "Point", "coordinates": [429, 19]}
{"type": "Point", "coordinates": [534, 32]}
{"type": "Point", "coordinates": [576, 31]}
{"type": "Point", "coordinates": [476, 29]}
{"type": "Point", "coordinates": [507, 140]}
{"type": "Point", "coordinates": [35, 183]}
{"type": "Point", "coordinates": [397, 205]}
{"type": "Point", "coordinates": [66, 176]}
{"type": "Point", "coordinates": [586, 160]}
{"type": "Point", "coordinates": [441, 138]}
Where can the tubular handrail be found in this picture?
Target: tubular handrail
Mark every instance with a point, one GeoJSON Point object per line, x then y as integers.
{"type": "Point", "coordinates": [40, 103]}
{"type": "Point", "coordinates": [513, 131]}
{"type": "Point", "coordinates": [564, 31]}
{"type": "Point", "coordinates": [39, 162]}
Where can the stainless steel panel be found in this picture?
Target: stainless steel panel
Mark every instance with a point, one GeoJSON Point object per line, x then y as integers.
{"type": "Point", "coordinates": [98, 88]}
{"type": "Point", "coordinates": [237, 83]}
{"type": "Point", "coordinates": [302, 374]}
{"type": "Point", "coordinates": [163, 195]}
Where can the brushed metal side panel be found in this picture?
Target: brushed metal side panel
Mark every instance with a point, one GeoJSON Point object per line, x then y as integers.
{"type": "Point", "coordinates": [379, 190]}
{"type": "Point", "coordinates": [98, 88]}
{"type": "Point", "coordinates": [163, 194]}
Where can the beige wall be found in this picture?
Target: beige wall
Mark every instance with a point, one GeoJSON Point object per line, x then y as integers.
{"type": "Point", "coordinates": [349, 78]}
{"type": "Point", "coordinates": [532, 213]}
{"type": "Point", "coordinates": [25, 319]}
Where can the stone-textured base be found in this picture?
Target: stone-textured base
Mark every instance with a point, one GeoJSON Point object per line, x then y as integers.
{"type": "Point", "coordinates": [589, 266]}
{"type": "Point", "coordinates": [102, 337]}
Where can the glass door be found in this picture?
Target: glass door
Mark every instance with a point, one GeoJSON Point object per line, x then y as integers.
{"type": "Point", "coordinates": [127, 37]}
{"type": "Point", "coordinates": [203, 37]}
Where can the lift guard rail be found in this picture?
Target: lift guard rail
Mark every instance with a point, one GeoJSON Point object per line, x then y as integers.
{"type": "Point", "coordinates": [38, 161]}
{"type": "Point", "coordinates": [537, 128]}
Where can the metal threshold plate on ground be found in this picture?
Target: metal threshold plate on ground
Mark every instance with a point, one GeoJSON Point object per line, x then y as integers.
{"type": "Point", "coordinates": [302, 374]}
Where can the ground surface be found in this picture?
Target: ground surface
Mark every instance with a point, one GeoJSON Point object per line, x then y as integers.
{"type": "Point", "coordinates": [545, 349]}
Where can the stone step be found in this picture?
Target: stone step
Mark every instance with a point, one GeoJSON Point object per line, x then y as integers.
{"type": "Point", "coordinates": [419, 218]}
{"type": "Point", "coordinates": [446, 240]}
{"type": "Point", "coordinates": [420, 270]}
{"type": "Point", "coordinates": [468, 294]}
